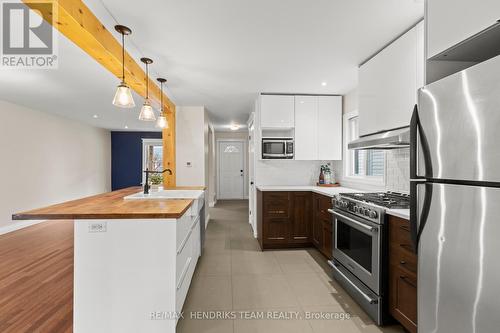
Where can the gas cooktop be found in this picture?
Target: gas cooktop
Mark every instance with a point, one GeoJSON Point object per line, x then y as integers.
{"type": "Point", "coordinates": [391, 200]}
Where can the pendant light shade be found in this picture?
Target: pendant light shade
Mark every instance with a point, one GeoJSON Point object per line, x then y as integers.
{"type": "Point", "coordinates": [162, 121]}
{"type": "Point", "coordinates": [147, 112]}
{"type": "Point", "coordinates": [123, 96]}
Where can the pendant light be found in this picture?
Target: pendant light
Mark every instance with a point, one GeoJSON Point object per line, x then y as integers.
{"type": "Point", "coordinates": [123, 96]}
{"type": "Point", "coordinates": [147, 112]}
{"type": "Point", "coordinates": [162, 121]}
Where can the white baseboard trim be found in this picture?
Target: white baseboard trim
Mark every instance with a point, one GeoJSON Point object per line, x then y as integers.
{"type": "Point", "coordinates": [18, 225]}
{"type": "Point", "coordinates": [212, 204]}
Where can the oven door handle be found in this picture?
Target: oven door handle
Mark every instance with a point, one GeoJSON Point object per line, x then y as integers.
{"type": "Point", "coordinates": [365, 296]}
{"type": "Point", "coordinates": [359, 224]}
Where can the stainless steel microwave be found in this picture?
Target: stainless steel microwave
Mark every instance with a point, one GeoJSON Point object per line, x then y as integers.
{"type": "Point", "coordinates": [277, 148]}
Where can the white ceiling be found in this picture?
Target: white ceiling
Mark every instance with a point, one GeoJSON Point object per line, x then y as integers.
{"type": "Point", "coordinates": [219, 53]}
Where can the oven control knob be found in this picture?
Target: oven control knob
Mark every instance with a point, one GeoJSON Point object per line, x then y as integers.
{"type": "Point", "coordinates": [344, 204]}
{"type": "Point", "coordinates": [367, 212]}
{"type": "Point", "coordinates": [356, 209]}
{"type": "Point", "coordinates": [373, 214]}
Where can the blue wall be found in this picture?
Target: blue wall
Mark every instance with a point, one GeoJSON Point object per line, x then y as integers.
{"type": "Point", "coordinates": [126, 157]}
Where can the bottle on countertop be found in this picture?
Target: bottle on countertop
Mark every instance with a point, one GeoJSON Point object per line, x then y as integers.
{"type": "Point", "coordinates": [321, 176]}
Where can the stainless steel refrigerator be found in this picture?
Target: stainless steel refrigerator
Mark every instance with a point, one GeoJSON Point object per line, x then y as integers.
{"type": "Point", "coordinates": [455, 201]}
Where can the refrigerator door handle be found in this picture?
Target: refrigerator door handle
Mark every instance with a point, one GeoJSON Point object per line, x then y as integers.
{"type": "Point", "coordinates": [413, 143]}
{"type": "Point", "coordinates": [416, 133]}
{"type": "Point", "coordinates": [417, 222]}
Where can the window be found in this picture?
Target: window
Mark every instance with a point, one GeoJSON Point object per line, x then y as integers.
{"type": "Point", "coordinates": [152, 158]}
{"type": "Point", "coordinates": [363, 165]}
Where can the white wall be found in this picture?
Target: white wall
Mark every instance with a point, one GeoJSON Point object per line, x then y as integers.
{"type": "Point", "coordinates": [241, 135]}
{"type": "Point", "coordinates": [47, 159]}
{"type": "Point", "coordinates": [192, 145]}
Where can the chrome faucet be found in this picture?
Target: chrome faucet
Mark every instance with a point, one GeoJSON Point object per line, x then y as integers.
{"type": "Point", "coordinates": [147, 172]}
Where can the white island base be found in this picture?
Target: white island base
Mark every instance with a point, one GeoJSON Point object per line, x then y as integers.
{"type": "Point", "coordinates": [133, 275]}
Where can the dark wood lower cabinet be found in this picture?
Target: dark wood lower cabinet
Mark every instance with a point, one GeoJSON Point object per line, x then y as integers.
{"type": "Point", "coordinates": [301, 214]}
{"type": "Point", "coordinates": [294, 219]}
{"type": "Point", "coordinates": [402, 274]}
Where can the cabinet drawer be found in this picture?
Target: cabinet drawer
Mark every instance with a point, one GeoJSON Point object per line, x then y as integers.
{"type": "Point", "coordinates": [399, 234]}
{"type": "Point", "coordinates": [276, 204]}
{"type": "Point", "coordinates": [184, 253]}
{"type": "Point", "coordinates": [403, 259]}
{"type": "Point", "coordinates": [276, 231]}
{"type": "Point", "coordinates": [182, 228]}
{"type": "Point", "coordinates": [182, 286]}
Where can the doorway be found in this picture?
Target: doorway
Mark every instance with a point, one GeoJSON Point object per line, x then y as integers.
{"type": "Point", "coordinates": [231, 169]}
{"type": "Point", "coordinates": [152, 159]}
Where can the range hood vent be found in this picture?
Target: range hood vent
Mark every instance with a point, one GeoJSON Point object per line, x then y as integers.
{"type": "Point", "coordinates": [393, 139]}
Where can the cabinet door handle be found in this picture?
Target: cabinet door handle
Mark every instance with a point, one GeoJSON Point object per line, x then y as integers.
{"type": "Point", "coordinates": [406, 247]}
{"type": "Point", "coordinates": [402, 262]}
{"type": "Point", "coordinates": [405, 228]}
{"type": "Point", "coordinates": [405, 279]}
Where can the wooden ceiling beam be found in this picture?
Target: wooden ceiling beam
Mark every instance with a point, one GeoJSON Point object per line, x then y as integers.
{"type": "Point", "coordinates": [75, 20]}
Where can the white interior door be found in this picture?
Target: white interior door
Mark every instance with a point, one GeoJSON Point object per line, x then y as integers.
{"type": "Point", "coordinates": [231, 170]}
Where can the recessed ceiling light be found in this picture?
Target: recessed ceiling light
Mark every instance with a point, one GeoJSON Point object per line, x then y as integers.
{"type": "Point", "coordinates": [323, 84]}
{"type": "Point", "coordinates": [126, 127]}
{"type": "Point", "coordinates": [234, 127]}
{"type": "Point", "coordinates": [95, 116]}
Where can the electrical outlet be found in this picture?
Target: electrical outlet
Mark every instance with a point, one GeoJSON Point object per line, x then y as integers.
{"type": "Point", "coordinates": [97, 227]}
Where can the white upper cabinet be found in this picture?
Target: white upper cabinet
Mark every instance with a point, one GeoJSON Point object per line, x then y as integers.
{"type": "Point", "coordinates": [329, 128]}
{"type": "Point", "coordinates": [318, 127]}
{"type": "Point", "coordinates": [277, 111]}
{"type": "Point", "coordinates": [450, 22]}
{"type": "Point", "coordinates": [306, 126]}
{"type": "Point", "coordinates": [388, 84]}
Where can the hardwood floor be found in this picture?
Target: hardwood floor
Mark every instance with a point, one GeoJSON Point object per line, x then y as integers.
{"type": "Point", "coordinates": [36, 279]}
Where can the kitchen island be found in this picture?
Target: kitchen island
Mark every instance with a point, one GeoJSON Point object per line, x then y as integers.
{"type": "Point", "coordinates": [133, 258]}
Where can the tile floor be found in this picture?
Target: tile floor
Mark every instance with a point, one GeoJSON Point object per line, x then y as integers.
{"type": "Point", "coordinates": [253, 290]}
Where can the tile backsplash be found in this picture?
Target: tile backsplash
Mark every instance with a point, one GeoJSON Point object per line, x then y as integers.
{"type": "Point", "coordinates": [398, 170]}
{"type": "Point", "coordinates": [397, 173]}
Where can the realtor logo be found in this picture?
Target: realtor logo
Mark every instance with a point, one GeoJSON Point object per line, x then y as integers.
{"type": "Point", "coordinates": [28, 40]}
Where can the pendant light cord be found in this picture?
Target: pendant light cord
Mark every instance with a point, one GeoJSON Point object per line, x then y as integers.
{"type": "Point", "coordinates": [147, 82]}
{"type": "Point", "coordinates": [123, 57]}
{"type": "Point", "coordinates": [161, 97]}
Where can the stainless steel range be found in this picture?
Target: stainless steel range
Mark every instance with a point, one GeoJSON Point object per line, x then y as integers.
{"type": "Point", "coordinates": [359, 251]}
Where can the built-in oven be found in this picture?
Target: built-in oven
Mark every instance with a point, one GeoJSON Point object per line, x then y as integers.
{"type": "Point", "coordinates": [277, 148]}
{"type": "Point", "coordinates": [357, 261]}
{"type": "Point", "coordinates": [357, 246]}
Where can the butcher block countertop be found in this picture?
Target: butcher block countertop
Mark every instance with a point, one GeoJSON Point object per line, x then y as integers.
{"type": "Point", "coordinates": [111, 205]}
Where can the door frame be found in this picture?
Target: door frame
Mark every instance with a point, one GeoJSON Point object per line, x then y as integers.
{"type": "Point", "coordinates": [243, 141]}
{"type": "Point", "coordinates": [252, 197]}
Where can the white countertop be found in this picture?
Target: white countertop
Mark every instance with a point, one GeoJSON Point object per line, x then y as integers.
{"type": "Point", "coordinates": [402, 213]}
{"type": "Point", "coordinates": [329, 191]}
